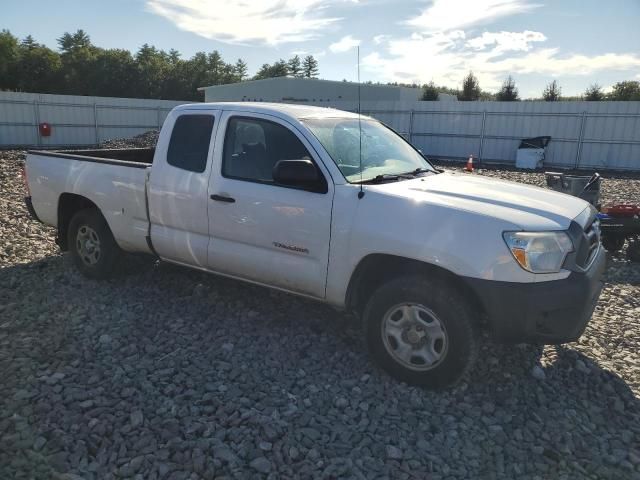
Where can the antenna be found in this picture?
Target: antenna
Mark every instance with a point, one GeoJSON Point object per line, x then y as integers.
{"type": "Point", "coordinates": [361, 192]}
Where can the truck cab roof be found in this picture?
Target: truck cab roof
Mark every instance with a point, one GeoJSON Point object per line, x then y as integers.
{"type": "Point", "coordinates": [281, 110]}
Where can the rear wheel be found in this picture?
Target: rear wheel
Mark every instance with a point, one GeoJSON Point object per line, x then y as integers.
{"type": "Point", "coordinates": [420, 331]}
{"type": "Point", "coordinates": [91, 244]}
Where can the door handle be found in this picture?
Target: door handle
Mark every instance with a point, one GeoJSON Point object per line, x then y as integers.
{"type": "Point", "coordinates": [222, 198]}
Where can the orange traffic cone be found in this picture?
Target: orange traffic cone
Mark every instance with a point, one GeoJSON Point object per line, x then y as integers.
{"type": "Point", "coordinates": [469, 166]}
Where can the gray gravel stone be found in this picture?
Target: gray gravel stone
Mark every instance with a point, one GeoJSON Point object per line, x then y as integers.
{"type": "Point", "coordinates": [137, 418]}
{"type": "Point", "coordinates": [261, 464]}
{"type": "Point", "coordinates": [538, 373]}
{"type": "Point", "coordinates": [394, 453]}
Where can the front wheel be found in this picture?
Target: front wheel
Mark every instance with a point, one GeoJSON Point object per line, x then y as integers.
{"type": "Point", "coordinates": [91, 244]}
{"type": "Point", "coordinates": [420, 331]}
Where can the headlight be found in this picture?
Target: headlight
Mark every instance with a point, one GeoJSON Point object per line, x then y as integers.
{"type": "Point", "coordinates": [539, 252]}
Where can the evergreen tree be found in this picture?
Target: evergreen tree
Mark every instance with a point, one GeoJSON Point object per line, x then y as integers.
{"type": "Point", "coordinates": [278, 69]}
{"type": "Point", "coordinates": [552, 92]}
{"type": "Point", "coordinates": [508, 92]}
{"type": "Point", "coordinates": [310, 67]}
{"type": "Point", "coordinates": [627, 90]}
{"type": "Point", "coordinates": [174, 56]}
{"type": "Point", "coordinates": [430, 92]}
{"type": "Point", "coordinates": [37, 68]}
{"type": "Point", "coordinates": [240, 69]}
{"type": "Point", "coordinates": [470, 88]}
{"type": "Point", "coordinates": [295, 66]}
{"type": "Point", "coordinates": [78, 57]}
{"type": "Point", "coordinates": [594, 93]}
{"type": "Point", "coordinates": [9, 60]}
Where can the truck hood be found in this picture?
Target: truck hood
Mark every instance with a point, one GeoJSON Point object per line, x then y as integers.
{"type": "Point", "coordinates": [526, 207]}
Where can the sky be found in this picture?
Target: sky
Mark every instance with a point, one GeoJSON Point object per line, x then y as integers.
{"type": "Point", "coordinates": [576, 42]}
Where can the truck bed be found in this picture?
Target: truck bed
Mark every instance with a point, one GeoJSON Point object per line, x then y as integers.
{"type": "Point", "coordinates": [132, 157]}
{"type": "Point", "coordinates": [113, 180]}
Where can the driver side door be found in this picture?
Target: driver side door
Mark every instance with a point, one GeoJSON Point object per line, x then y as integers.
{"type": "Point", "coordinates": [261, 231]}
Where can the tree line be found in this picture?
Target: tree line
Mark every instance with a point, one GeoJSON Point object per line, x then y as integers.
{"type": "Point", "coordinates": [81, 68]}
{"type": "Point", "coordinates": [471, 91]}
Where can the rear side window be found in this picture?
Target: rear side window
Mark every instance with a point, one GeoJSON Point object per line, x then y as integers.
{"type": "Point", "coordinates": [189, 144]}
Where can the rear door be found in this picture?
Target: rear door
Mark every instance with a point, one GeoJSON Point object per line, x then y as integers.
{"type": "Point", "coordinates": [178, 184]}
{"type": "Point", "coordinates": [262, 231]}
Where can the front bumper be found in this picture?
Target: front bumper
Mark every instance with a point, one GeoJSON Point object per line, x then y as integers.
{"type": "Point", "coordinates": [32, 211]}
{"type": "Point", "coordinates": [547, 312]}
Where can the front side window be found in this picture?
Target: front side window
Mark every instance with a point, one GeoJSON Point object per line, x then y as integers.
{"type": "Point", "coordinates": [189, 144]}
{"type": "Point", "coordinates": [384, 152]}
{"type": "Point", "coordinates": [252, 147]}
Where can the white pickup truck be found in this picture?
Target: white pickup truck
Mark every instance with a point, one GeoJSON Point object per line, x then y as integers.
{"type": "Point", "coordinates": [320, 203]}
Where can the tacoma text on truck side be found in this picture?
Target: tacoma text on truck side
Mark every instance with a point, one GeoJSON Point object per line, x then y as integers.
{"type": "Point", "coordinates": [315, 202]}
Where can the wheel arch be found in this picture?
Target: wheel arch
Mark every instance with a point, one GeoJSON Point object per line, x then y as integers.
{"type": "Point", "coordinates": [68, 205]}
{"type": "Point", "coordinates": [375, 269]}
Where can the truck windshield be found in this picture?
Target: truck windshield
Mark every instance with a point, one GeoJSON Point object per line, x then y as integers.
{"type": "Point", "coordinates": [385, 154]}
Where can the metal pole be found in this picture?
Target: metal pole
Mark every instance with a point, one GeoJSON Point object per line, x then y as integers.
{"type": "Point", "coordinates": [36, 116]}
{"type": "Point", "coordinates": [411, 127]}
{"type": "Point", "coordinates": [484, 119]}
{"type": "Point", "coordinates": [95, 122]}
{"type": "Point", "coordinates": [580, 139]}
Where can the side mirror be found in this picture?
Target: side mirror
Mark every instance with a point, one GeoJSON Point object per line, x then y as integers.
{"type": "Point", "coordinates": [296, 173]}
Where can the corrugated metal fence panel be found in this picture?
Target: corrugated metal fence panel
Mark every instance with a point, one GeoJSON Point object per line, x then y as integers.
{"type": "Point", "coordinates": [128, 116]}
{"type": "Point", "coordinates": [76, 120]}
{"type": "Point", "coordinates": [66, 115]}
{"type": "Point", "coordinates": [604, 135]}
{"type": "Point", "coordinates": [584, 134]}
{"type": "Point", "coordinates": [17, 135]}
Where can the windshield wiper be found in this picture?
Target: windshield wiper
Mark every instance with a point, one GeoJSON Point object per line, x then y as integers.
{"type": "Point", "coordinates": [418, 171]}
{"type": "Point", "coordinates": [386, 177]}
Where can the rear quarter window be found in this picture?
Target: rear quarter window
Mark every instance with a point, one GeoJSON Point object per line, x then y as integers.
{"type": "Point", "coordinates": [189, 143]}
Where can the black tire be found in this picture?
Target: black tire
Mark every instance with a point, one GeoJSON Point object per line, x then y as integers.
{"type": "Point", "coordinates": [613, 243]}
{"type": "Point", "coordinates": [453, 314]}
{"type": "Point", "coordinates": [633, 250]}
{"type": "Point", "coordinates": [98, 265]}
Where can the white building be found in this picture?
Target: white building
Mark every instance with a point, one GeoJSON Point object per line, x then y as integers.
{"type": "Point", "coordinates": [306, 90]}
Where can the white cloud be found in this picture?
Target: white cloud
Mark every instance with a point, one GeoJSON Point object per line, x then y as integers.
{"type": "Point", "coordinates": [506, 41]}
{"type": "Point", "coordinates": [243, 21]}
{"type": "Point", "coordinates": [378, 39]}
{"type": "Point", "coordinates": [442, 15]}
{"type": "Point", "coordinates": [550, 62]}
{"type": "Point", "coordinates": [344, 44]}
{"type": "Point", "coordinates": [447, 57]}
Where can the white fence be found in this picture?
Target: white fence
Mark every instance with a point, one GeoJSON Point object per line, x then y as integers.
{"type": "Point", "coordinates": [76, 120]}
{"type": "Point", "coordinates": [588, 135]}
{"type": "Point", "coordinates": [585, 135]}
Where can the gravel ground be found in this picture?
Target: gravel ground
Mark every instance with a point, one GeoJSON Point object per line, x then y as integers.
{"type": "Point", "coordinates": [170, 373]}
